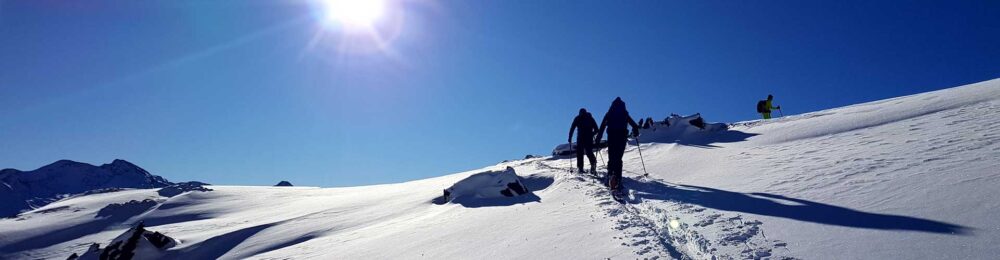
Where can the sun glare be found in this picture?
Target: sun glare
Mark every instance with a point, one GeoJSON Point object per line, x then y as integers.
{"type": "Point", "coordinates": [354, 13]}
{"type": "Point", "coordinates": [356, 26]}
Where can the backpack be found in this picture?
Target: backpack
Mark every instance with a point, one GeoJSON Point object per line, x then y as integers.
{"type": "Point", "coordinates": [762, 106]}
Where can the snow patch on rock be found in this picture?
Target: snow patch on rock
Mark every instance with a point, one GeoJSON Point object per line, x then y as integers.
{"type": "Point", "coordinates": [136, 243]}
{"type": "Point", "coordinates": [178, 189]}
{"type": "Point", "coordinates": [488, 184]}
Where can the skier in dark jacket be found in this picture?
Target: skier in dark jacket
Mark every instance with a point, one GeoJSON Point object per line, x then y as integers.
{"type": "Point", "coordinates": [616, 121]}
{"type": "Point", "coordinates": [584, 139]}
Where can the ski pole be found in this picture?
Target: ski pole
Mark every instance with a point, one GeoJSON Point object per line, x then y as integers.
{"type": "Point", "coordinates": [599, 156]}
{"type": "Point", "coordinates": [782, 114]}
{"type": "Point", "coordinates": [638, 147]}
{"type": "Point", "coordinates": [597, 144]}
{"type": "Point", "coordinates": [571, 160]}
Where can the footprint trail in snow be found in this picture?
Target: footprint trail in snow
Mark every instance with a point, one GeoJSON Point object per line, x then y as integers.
{"type": "Point", "coordinates": [673, 229]}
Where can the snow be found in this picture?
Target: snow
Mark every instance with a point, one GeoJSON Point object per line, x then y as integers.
{"type": "Point", "coordinates": [32, 189]}
{"type": "Point", "coordinates": [913, 177]}
{"type": "Point", "coordinates": [564, 149]}
{"type": "Point", "coordinates": [137, 242]}
{"type": "Point", "coordinates": [485, 186]}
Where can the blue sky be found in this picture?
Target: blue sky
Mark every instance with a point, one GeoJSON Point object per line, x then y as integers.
{"type": "Point", "coordinates": [253, 92]}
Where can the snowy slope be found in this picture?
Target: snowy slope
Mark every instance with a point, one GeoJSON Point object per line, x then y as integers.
{"type": "Point", "coordinates": [23, 190]}
{"type": "Point", "coordinates": [913, 177]}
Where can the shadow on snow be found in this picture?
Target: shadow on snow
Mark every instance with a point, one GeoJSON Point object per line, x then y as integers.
{"type": "Point", "coordinates": [802, 210]}
{"type": "Point", "coordinates": [700, 139]}
{"type": "Point", "coordinates": [221, 245]}
{"type": "Point", "coordinates": [108, 218]}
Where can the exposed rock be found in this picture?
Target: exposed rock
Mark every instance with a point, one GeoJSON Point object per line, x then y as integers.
{"type": "Point", "coordinates": [177, 189]}
{"type": "Point", "coordinates": [488, 184]}
{"type": "Point", "coordinates": [123, 211]}
{"type": "Point", "coordinates": [136, 243]}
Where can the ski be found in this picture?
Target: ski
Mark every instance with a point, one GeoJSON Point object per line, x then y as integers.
{"type": "Point", "coordinates": [618, 196]}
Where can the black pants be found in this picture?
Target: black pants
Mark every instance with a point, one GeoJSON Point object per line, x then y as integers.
{"type": "Point", "coordinates": [616, 149]}
{"type": "Point", "coordinates": [585, 148]}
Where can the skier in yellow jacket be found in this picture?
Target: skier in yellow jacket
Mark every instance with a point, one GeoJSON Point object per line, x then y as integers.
{"type": "Point", "coordinates": [764, 107]}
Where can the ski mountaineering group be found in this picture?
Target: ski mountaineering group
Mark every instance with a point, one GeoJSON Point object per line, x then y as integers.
{"type": "Point", "coordinates": [616, 122]}
{"type": "Point", "coordinates": [589, 135]}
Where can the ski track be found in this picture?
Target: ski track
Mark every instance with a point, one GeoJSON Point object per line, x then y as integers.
{"type": "Point", "coordinates": [829, 163]}
{"type": "Point", "coordinates": [670, 229]}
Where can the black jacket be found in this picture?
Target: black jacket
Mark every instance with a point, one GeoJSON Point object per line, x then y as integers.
{"type": "Point", "coordinates": [616, 121]}
{"type": "Point", "coordinates": [587, 125]}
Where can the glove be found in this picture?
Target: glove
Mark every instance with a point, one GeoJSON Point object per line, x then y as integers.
{"type": "Point", "coordinates": [779, 107]}
{"type": "Point", "coordinates": [635, 131]}
{"type": "Point", "coordinates": [570, 140]}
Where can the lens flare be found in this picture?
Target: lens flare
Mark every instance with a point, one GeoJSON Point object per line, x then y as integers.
{"type": "Point", "coordinates": [356, 28]}
{"type": "Point", "coordinates": [354, 13]}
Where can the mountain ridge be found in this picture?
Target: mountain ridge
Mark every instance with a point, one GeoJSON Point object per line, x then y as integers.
{"type": "Point", "coordinates": [25, 190]}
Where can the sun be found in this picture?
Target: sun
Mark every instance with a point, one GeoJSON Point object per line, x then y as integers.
{"type": "Point", "coordinates": [356, 26]}
{"type": "Point", "coordinates": [354, 13]}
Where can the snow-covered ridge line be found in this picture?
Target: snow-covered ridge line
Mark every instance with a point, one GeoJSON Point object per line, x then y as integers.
{"type": "Point", "coordinates": [870, 114]}
{"type": "Point", "coordinates": [24, 190]}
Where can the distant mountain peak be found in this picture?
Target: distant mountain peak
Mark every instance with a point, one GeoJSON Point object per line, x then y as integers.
{"type": "Point", "coordinates": [64, 163]}
{"type": "Point", "coordinates": [31, 189]}
{"type": "Point", "coordinates": [122, 162]}
{"type": "Point", "coordinates": [123, 166]}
